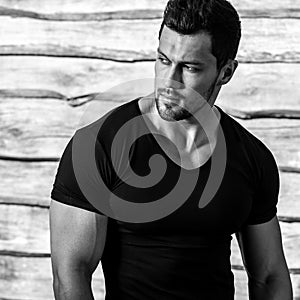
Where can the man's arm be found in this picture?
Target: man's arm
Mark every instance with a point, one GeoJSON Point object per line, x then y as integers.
{"type": "Point", "coordinates": [77, 241]}
{"type": "Point", "coordinates": [262, 252]}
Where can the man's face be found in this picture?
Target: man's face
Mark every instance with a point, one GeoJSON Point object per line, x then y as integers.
{"type": "Point", "coordinates": [185, 68]}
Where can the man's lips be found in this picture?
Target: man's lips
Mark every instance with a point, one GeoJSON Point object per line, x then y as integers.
{"type": "Point", "coordinates": [169, 98]}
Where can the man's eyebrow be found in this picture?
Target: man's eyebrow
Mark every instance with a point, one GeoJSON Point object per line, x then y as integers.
{"type": "Point", "coordinates": [190, 62]}
{"type": "Point", "coordinates": [160, 52]}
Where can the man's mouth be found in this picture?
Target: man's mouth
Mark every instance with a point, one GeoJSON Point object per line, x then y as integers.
{"type": "Point", "coordinates": [168, 98]}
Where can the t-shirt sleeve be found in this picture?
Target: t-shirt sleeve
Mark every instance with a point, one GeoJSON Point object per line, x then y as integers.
{"type": "Point", "coordinates": [264, 206]}
{"type": "Point", "coordinates": [66, 188]}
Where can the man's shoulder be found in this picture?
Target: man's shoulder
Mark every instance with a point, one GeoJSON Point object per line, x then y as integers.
{"type": "Point", "coordinates": [245, 137]}
{"type": "Point", "coordinates": [109, 123]}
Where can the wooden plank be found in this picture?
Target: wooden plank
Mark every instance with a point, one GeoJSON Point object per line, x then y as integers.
{"type": "Point", "coordinates": [131, 14]}
{"type": "Point", "coordinates": [241, 285]}
{"type": "Point", "coordinates": [263, 86]}
{"type": "Point", "coordinates": [253, 87]}
{"type": "Point", "coordinates": [114, 39]}
{"type": "Point", "coordinates": [280, 136]}
{"type": "Point", "coordinates": [134, 14]}
{"type": "Point", "coordinates": [289, 194]}
{"type": "Point", "coordinates": [264, 5]}
{"type": "Point", "coordinates": [26, 134]}
{"type": "Point", "coordinates": [27, 180]}
{"type": "Point", "coordinates": [24, 125]}
{"type": "Point", "coordinates": [76, 6]}
{"type": "Point", "coordinates": [31, 93]}
{"type": "Point", "coordinates": [31, 278]}
{"type": "Point", "coordinates": [69, 76]}
{"type": "Point", "coordinates": [35, 201]}
{"type": "Point", "coordinates": [25, 278]}
{"type": "Point", "coordinates": [264, 114]}
{"type": "Point", "coordinates": [24, 231]}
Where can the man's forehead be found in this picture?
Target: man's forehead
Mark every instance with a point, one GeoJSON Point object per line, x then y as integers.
{"type": "Point", "coordinates": [196, 46]}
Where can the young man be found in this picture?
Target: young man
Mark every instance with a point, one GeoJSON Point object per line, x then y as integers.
{"type": "Point", "coordinates": [182, 252]}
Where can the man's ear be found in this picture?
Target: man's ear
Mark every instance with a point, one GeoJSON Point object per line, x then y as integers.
{"type": "Point", "coordinates": [227, 71]}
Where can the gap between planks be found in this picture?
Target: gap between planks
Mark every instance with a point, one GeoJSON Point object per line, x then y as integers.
{"type": "Point", "coordinates": [84, 99]}
{"type": "Point", "coordinates": [131, 56]}
{"type": "Point", "coordinates": [138, 14]}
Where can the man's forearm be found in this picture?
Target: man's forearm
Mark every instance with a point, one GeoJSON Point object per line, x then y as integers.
{"type": "Point", "coordinates": [73, 287]}
{"type": "Point", "coordinates": [274, 288]}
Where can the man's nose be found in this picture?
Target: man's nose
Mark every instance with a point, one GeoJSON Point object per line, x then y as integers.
{"type": "Point", "coordinates": [173, 78]}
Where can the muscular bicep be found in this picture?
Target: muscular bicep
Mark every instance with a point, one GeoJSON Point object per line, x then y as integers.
{"type": "Point", "coordinates": [77, 237]}
{"type": "Point", "coordinates": [261, 249]}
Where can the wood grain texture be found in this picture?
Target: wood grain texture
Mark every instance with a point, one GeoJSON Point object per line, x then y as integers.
{"type": "Point", "coordinates": [289, 195]}
{"type": "Point", "coordinates": [24, 232]}
{"type": "Point", "coordinates": [31, 93]}
{"type": "Point", "coordinates": [38, 130]}
{"type": "Point", "coordinates": [114, 39]}
{"type": "Point", "coordinates": [32, 277]}
{"type": "Point", "coordinates": [70, 77]}
{"type": "Point", "coordinates": [136, 14]}
{"type": "Point", "coordinates": [24, 229]}
{"type": "Point", "coordinates": [34, 201]}
{"type": "Point", "coordinates": [26, 132]}
{"type": "Point", "coordinates": [130, 14]}
{"type": "Point", "coordinates": [263, 114]}
{"type": "Point", "coordinates": [253, 86]}
{"type": "Point", "coordinates": [278, 136]}
{"type": "Point", "coordinates": [26, 180]}
{"type": "Point", "coordinates": [91, 6]}
{"type": "Point", "coordinates": [77, 6]}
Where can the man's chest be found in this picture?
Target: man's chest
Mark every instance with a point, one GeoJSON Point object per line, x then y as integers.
{"type": "Point", "coordinates": [226, 211]}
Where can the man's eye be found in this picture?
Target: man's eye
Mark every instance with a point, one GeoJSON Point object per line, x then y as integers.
{"type": "Point", "coordinates": [163, 60]}
{"type": "Point", "coordinates": [192, 69]}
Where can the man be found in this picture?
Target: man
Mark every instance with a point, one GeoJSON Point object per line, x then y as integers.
{"type": "Point", "coordinates": [183, 253]}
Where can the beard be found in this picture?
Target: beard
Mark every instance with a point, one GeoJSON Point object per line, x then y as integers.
{"type": "Point", "coordinates": [170, 111]}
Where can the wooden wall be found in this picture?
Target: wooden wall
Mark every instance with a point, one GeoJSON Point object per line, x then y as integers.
{"type": "Point", "coordinates": [55, 56]}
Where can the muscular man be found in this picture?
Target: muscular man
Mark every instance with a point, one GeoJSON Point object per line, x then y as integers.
{"type": "Point", "coordinates": [182, 253]}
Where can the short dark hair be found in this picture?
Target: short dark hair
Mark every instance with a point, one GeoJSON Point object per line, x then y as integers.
{"type": "Point", "coordinates": [218, 18]}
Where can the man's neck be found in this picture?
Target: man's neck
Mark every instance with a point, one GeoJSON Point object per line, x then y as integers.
{"type": "Point", "coordinates": [188, 135]}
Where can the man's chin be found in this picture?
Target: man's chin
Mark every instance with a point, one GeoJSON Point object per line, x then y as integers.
{"type": "Point", "coordinates": [172, 112]}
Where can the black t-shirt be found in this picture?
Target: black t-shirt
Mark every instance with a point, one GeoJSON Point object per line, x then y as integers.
{"type": "Point", "coordinates": [186, 254]}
